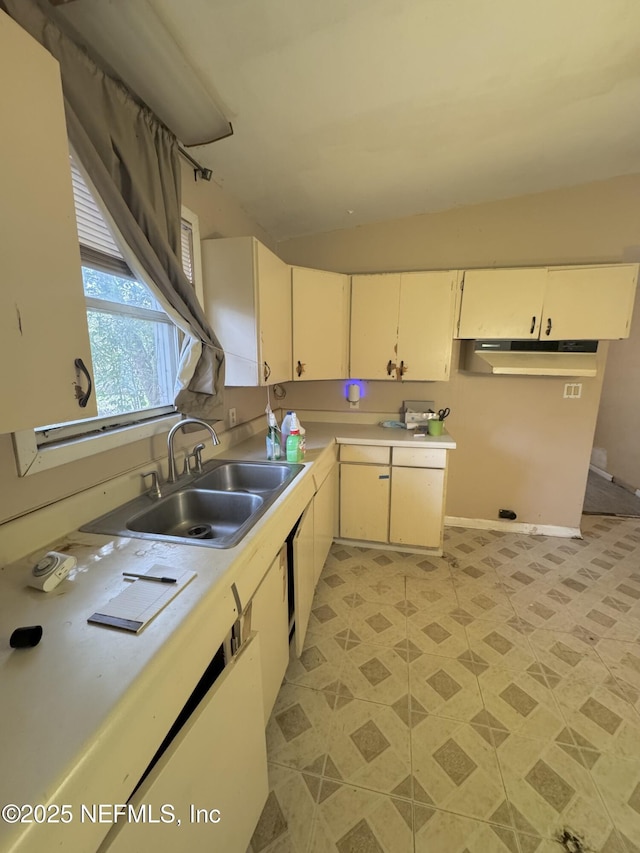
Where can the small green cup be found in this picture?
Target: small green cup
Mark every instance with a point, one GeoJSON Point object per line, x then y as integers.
{"type": "Point", "coordinates": [435, 426]}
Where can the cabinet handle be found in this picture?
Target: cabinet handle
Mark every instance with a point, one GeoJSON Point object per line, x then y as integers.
{"type": "Point", "coordinates": [300, 368]}
{"type": "Point", "coordinates": [83, 396]}
{"type": "Point", "coordinates": [548, 329]}
{"type": "Point", "coordinates": [403, 369]}
{"type": "Point", "coordinates": [267, 371]}
{"type": "Point", "coordinates": [533, 324]}
{"type": "Point", "coordinates": [383, 476]}
{"type": "Point", "coordinates": [390, 367]}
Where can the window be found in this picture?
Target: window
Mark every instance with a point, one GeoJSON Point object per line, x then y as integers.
{"type": "Point", "coordinates": [134, 344]}
{"type": "Point", "coordinates": [134, 348]}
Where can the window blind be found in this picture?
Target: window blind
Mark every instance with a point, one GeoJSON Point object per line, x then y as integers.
{"type": "Point", "coordinates": [98, 249]}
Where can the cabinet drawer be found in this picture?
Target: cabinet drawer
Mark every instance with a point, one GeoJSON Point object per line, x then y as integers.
{"type": "Point", "coordinates": [364, 453]}
{"type": "Point", "coordinates": [419, 457]}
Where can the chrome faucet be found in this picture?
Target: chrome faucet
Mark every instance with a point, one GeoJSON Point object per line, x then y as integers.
{"type": "Point", "coordinates": [171, 478]}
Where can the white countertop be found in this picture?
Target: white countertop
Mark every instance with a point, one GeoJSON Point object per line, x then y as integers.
{"type": "Point", "coordinates": [84, 711]}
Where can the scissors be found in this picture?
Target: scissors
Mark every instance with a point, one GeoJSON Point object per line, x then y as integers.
{"type": "Point", "coordinates": [444, 413]}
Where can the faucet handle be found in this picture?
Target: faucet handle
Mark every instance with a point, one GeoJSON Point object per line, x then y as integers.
{"type": "Point", "coordinates": [154, 491]}
{"type": "Point", "coordinates": [197, 455]}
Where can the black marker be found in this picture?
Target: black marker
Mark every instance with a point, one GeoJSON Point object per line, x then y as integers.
{"type": "Point", "coordinates": [150, 577]}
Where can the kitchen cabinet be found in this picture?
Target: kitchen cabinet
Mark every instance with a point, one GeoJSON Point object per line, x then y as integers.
{"type": "Point", "coordinates": [217, 761]}
{"type": "Point", "coordinates": [364, 493]}
{"type": "Point", "coordinates": [43, 318]}
{"type": "Point", "coordinates": [303, 575]}
{"type": "Point", "coordinates": [325, 509]}
{"type": "Point", "coordinates": [402, 325]}
{"type": "Point", "coordinates": [393, 495]}
{"type": "Point", "coordinates": [417, 499]}
{"type": "Point", "coordinates": [270, 621]}
{"type": "Point", "coordinates": [247, 300]}
{"type": "Point", "coordinates": [556, 303]}
{"type": "Point", "coordinates": [320, 304]}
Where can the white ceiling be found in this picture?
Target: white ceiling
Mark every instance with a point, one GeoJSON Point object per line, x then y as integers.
{"type": "Point", "coordinates": [353, 111]}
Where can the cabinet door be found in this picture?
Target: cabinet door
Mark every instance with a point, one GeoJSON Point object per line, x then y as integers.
{"type": "Point", "coordinates": [375, 303]}
{"type": "Point", "coordinates": [217, 761]}
{"type": "Point", "coordinates": [502, 303]}
{"type": "Point", "coordinates": [417, 496]}
{"type": "Point", "coordinates": [589, 302]}
{"type": "Point", "coordinates": [320, 324]}
{"type": "Point", "coordinates": [273, 281]}
{"type": "Point", "coordinates": [425, 327]}
{"type": "Point", "coordinates": [364, 502]}
{"type": "Point", "coordinates": [303, 576]}
{"type": "Point", "coordinates": [43, 318]}
{"type": "Point", "coordinates": [324, 512]}
{"type": "Point", "coordinates": [270, 620]}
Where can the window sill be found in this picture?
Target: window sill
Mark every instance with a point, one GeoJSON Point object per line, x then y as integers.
{"type": "Point", "coordinates": [31, 459]}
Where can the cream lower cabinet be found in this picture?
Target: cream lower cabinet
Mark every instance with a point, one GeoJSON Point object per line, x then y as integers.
{"type": "Point", "coordinates": [320, 324]}
{"type": "Point", "coordinates": [401, 503]}
{"type": "Point", "coordinates": [402, 325]}
{"type": "Point", "coordinates": [325, 505]}
{"type": "Point", "coordinates": [43, 315]}
{"type": "Point", "coordinates": [217, 764]}
{"type": "Point", "coordinates": [556, 303]}
{"type": "Point", "coordinates": [247, 299]}
{"type": "Point", "coordinates": [303, 575]}
{"type": "Point", "coordinates": [365, 476]}
{"type": "Point", "coordinates": [270, 620]}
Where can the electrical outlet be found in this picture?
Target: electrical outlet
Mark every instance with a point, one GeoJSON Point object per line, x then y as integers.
{"type": "Point", "coordinates": [572, 390]}
{"type": "Point", "coordinates": [232, 417]}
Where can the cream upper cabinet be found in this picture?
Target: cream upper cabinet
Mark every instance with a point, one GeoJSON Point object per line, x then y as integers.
{"type": "Point", "coordinates": [558, 303]}
{"type": "Point", "coordinates": [43, 318]}
{"type": "Point", "coordinates": [247, 300]}
{"type": "Point", "coordinates": [503, 303]}
{"type": "Point", "coordinates": [320, 324]}
{"type": "Point", "coordinates": [402, 325]}
{"type": "Point", "coordinates": [589, 302]}
{"type": "Point", "coordinates": [375, 305]}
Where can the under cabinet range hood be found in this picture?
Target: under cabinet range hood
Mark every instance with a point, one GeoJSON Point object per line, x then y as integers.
{"type": "Point", "coordinates": [530, 358]}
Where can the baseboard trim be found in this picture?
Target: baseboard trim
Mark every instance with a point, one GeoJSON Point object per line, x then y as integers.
{"type": "Point", "coordinates": [385, 546]}
{"type": "Point", "coordinates": [601, 473]}
{"type": "Point", "coordinates": [514, 527]}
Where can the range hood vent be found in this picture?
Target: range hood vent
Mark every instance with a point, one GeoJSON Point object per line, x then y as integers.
{"type": "Point", "coordinates": [530, 358]}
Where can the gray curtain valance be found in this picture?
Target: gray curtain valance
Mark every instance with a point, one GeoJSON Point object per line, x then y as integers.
{"type": "Point", "coordinates": [132, 161]}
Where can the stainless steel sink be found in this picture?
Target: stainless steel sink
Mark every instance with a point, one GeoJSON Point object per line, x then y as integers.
{"type": "Point", "coordinates": [197, 514]}
{"type": "Point", "coordinates": [255, 477]}
{"type": "Point", "coordinates": [216, 508]}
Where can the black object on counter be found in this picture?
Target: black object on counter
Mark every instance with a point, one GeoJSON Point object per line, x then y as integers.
{"type": "Point", "coordinates": [25, 638]}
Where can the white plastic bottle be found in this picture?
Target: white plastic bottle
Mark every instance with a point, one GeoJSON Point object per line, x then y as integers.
{"type": "Point", "coordinates": [274, 448]}
{"type": "Point", "coordinates": [285, 429]}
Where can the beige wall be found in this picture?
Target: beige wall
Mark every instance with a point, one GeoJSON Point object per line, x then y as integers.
{"type": "Point", "coordinates": [520, 444]}
{"type": "Point", "coordinates": [617, 438]}
{"type": "Point", "coordinates": [219, 215]}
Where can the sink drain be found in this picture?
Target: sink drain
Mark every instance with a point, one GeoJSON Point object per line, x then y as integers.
{"type": "Point", "coordinates": [200, 531]}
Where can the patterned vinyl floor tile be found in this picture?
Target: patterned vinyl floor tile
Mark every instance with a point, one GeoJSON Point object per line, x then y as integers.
{"type": "Point", "coordinates": [369, 746]}
{"type": "Point", "coordinates": [352, 820]}
{"type": "Point", "coordinates": [553, 791]}
{"type": "Point", "coordinates": [480, 702]}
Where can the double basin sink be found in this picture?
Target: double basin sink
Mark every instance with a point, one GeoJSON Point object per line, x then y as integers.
{"type": "Point", "coordinates": [216, 508]}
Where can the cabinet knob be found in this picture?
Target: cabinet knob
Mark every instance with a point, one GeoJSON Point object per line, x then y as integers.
{"type": "Point", "coordinates": [82, 396]}
{"type": "Point", "coordinates": [547, 331]}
